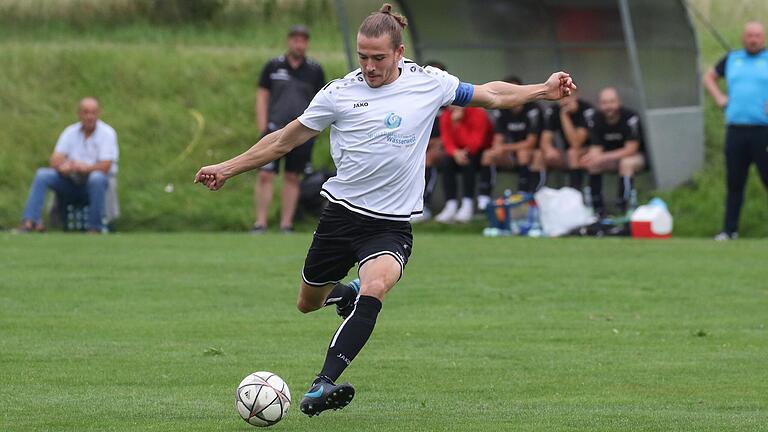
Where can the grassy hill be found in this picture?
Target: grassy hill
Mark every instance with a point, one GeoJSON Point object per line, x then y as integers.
{"type": "Point", "coordinates": [178, 95]}
{"type": "Point", "coordinates": [181, 95]}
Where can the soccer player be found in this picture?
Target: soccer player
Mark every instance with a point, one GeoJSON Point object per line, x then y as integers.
{"type": "Point", "coordinates": [380, 118]}
{"type": "Point", "coordinates": [616, 145]}
{"type": "Point", "coordinates": [564, 139]}
{"type": "Point", "coordinates": [515, 140]}
{"type": "Point", "coordinates": [746, 115]}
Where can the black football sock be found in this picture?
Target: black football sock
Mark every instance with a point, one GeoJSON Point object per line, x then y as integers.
{"type": "Point", "coordinates": [596, 187]}
{"type": "Point", "coordinates": [524, 179]}
{"type": "Point", "coordinates": [342, 294]}
{"type": "Point", "coordinates": [351, 336]}
{"type": "Point", "coordinates": [535, 182]}
{"type": "Point", "coordinates": [576, 178]}
{"type": "Point", "coordinates": [625, 191]}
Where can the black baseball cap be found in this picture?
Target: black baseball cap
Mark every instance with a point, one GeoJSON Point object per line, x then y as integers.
{"type": "Point", "coordinates": [299, 29]}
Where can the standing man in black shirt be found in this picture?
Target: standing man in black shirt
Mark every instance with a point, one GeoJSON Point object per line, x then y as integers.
{"type": "Point", "coordinates": [616, 146]}
{"type": "Point", "coordinates": [564, 139]}
{"type": "Point", "coordinates": [516, 138]}
{"type": "Point", "coordinates": [287, 85]}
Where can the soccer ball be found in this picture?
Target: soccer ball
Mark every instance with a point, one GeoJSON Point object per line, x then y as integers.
{"type": "Point", "coordinates": [262, 399]}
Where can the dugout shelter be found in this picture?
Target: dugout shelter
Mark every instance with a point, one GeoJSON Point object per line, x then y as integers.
{"type": "Point", "coordinates": [647, 49]}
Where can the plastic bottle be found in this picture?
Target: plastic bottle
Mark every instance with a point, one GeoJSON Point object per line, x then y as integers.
{"type": "Point", "coordinates": [588, 200]}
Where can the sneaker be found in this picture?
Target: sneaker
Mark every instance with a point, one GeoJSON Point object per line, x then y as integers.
{"type": "Point", "coordinates": [258, 229]}
{"type": "Point", "coordinates": [423, 217]}
{"type": "Point", "coordinates": [724, 236]}
{"type": "Point", "coordinates": [466, 211]}
{"type": "Point", "coordinates": [287, 229]}
{"type": "Point", "coordinates": [482, 202]}
{"type": "Point", "coordinates": [325, 395]}
{"type": "Point", "coordinates": [344, 310]}
{"type": "Point", "coordinates": [448, 213]}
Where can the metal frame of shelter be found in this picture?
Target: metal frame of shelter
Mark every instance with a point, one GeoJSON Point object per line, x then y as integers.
{"type": "Point", "coordinates": [645, 48]}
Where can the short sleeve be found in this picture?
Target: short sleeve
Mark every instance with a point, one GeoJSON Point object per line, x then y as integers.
{"type": "Point", "coordinates": [499, 121]}
{"type": "Point", "coordinates": [633, 125]}
{"type": "Point", "coordinates": [720, 66]}
{"type": "Point", "coordinates": [320, 113]}
{"type": "Point", "coordinates": [579, 118]}
{"type": "Point", "coordinates": [534, 120]}
{"type": "Point", "coordinates": [448, 84]}
{"type": "Point", "coordinates": [108, 147]}
{"type": "Point", "coordinates": [64, 143]}
{"type": "Point", "coordinates": [593, 126]}
{"type": "Point", "coordinates": [320, 82]}
{"type": "Point", "coordinates": [265, 81]}
{"type": "Point", "coordinates": [548, 123]}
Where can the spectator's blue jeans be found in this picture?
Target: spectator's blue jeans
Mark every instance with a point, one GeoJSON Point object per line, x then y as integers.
{"type": "Point", "coordinates": [92, 192]}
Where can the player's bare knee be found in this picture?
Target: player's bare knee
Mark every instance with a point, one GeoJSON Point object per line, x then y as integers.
{"type": "Point", "coordinates": [306, 307]}
{"type": "Point", "coordinates": [266, 176]}
{"type": "Point", "coordinates": [374, 288]}
{"type": "Point", "coordinates": [627, 167]}
{"type": "Point", "coordinates": [291, 177]}
{"type": "Point", "coordinates": [552, 159]}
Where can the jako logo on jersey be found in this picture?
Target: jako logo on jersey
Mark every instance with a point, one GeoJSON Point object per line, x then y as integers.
{"type": "Point", "coordinates": [392, 121]}
{"type": "Point", "coordinates": [360, 104]}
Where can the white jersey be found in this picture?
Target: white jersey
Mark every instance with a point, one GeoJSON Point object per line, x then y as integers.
{"type": "Point", "coordinates": [379, 138]}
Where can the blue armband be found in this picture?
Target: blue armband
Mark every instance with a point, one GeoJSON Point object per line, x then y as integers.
{"type": "Point", "coordinates": [464, 93]}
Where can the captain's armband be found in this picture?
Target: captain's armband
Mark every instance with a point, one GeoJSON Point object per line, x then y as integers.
{"type": "Point", "coordinates": [464, 93]}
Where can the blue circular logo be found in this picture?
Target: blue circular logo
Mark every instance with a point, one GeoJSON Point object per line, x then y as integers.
{"type": "Point", "coordinates": [392, 121]}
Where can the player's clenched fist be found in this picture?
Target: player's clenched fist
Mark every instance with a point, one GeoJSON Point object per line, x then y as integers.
{"type": "Point", "coordinates": [559, 85]}
{"type": "Point", "coordinates": [211, 176]}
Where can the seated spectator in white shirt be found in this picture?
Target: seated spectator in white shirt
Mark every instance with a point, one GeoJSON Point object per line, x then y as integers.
{"type": "Point", "coordinates": [82, 162]}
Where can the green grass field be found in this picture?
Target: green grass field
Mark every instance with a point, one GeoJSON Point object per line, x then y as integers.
{"type": "Point", "coordinates": [153, 332]}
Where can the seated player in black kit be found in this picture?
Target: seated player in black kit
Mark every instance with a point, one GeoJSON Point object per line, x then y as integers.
{"type": "Point", "coordinates": [616, 146]}
{"type": "Point", "coordinates": [564, 139]}
{"type": "Point", "coordinates": [515, 140]}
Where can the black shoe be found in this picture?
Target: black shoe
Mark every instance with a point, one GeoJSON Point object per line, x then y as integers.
{"type": "Point", "coordinates": [258, 229]}
{"type": "Point", "coordinates": [346, 309]}
{"type": "Point", "coordinates": [325, 395]}
{"type": "Point", "coordinates": [287, 229]}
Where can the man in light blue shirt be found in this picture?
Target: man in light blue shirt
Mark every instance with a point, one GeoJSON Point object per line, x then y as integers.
{"type": "Point", "coordinates": [746, 114]}
{"type": "Point", "coordinates": [82, 162]}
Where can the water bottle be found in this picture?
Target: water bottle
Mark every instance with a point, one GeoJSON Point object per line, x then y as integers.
{"type": "Point", "coordinates": [632, 201]}
{"type": "Point", "coordinates": [533, 220]}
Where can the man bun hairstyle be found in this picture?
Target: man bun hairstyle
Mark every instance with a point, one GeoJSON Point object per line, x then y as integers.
{"type": "Point", "coordinates": [384, 22]}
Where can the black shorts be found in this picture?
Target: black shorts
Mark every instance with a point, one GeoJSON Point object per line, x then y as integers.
{"type": "Point", "coordinates": [344, 238]}
{"type": "Point", "coordinates": [296, 161]}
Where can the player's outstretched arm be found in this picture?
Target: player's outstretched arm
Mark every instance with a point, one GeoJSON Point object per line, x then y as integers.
{"type": "Point", "coordinates": [502, 95]}
{"type": "Point", "coordinates": [268, 149]}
